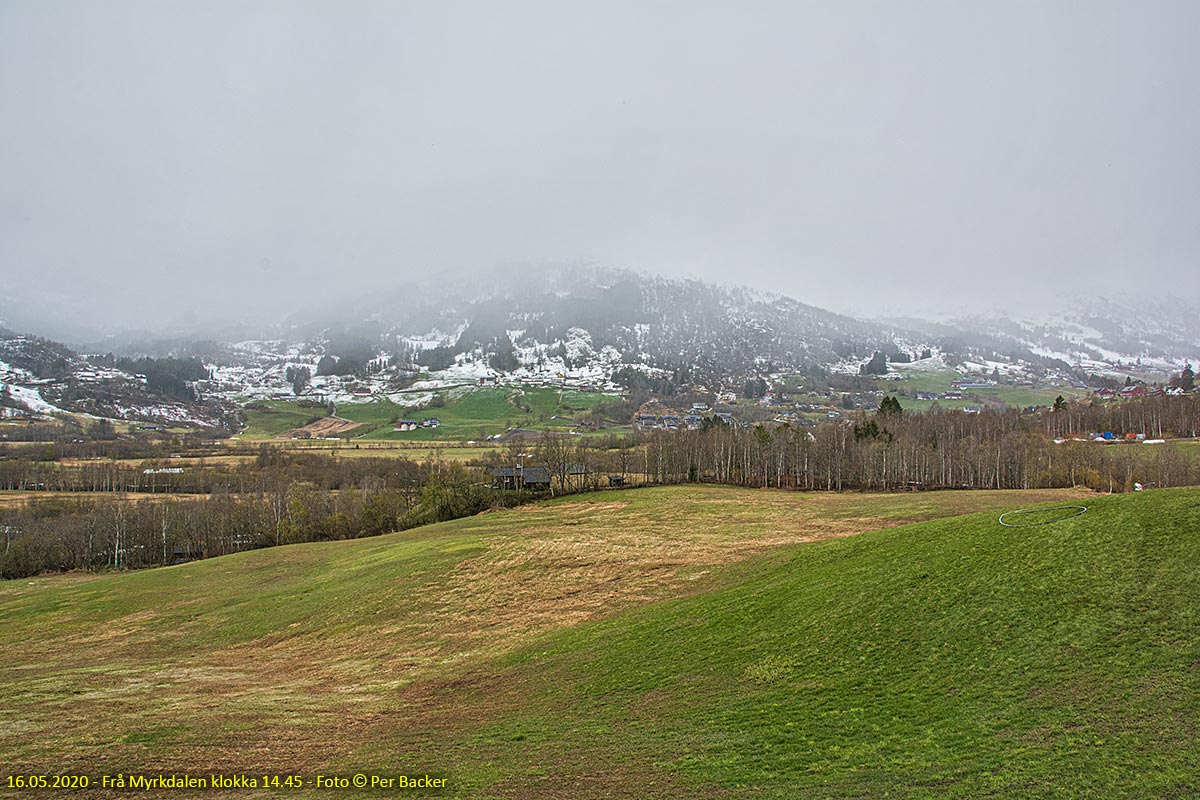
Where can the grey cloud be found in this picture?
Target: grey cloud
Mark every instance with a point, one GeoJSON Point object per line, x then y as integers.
{"type": "Point", "coordinates": [227, 160]}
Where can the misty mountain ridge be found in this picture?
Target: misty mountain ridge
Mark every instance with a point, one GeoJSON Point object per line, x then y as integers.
{"type": "Point", "coordinates": [609, 303]}
{"type": "Point", "coordinates": [606, 327]}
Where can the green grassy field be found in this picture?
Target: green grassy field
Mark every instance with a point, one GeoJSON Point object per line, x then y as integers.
{"type": "Point", "coordinates": [922, 377]}
{"type": "Point", "coordinates": [911, 404]}
{"type": "Point", "coordinates": [673, 642]}
{"type": "Point", "coordinates": [471, 414]}
{"type": "Point", "coordinates": [952, 659]}
{"type": "Point", "coordinates": [1013, 396]}
{"type": "Point", "coordinates": [926, 377]}
{"type": "Point", "coordinates": [277, 417]}
{"type": "Point", "coordinates": [479, 413]}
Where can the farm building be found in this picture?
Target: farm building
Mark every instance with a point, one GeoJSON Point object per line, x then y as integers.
{"type": "Point", "coordinates": [531, 478]}
{"type": "Point", "coordinates": [182, 554]}
{"type": "Point", "coordinates": [406, 425]}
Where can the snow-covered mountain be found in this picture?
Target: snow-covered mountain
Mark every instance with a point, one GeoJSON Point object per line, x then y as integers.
{"type": "Point", "coordinates": [1093, 336]}
{"type": "Point", "coordinates": [603, 328]}
{"type": "Point", "coordinates": [42, 377]}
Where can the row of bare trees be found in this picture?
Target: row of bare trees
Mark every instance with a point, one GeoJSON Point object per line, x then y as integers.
{"type": "Point", "coordinates": [882, 451]}
{"type": "Point", "coordinates": [97, 531]}
{"type": "Point", "coordinates": [892, 450]}
{"type": "Point", "coordinates": [1156, 417]}
{"type": "Point", "coordinates": [270, 467]}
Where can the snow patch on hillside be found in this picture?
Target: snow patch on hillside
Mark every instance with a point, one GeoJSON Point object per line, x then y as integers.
{"type": "Point", "coordinates": [30, 398]}
{"type": "Point", "coordinates": [934, 364]}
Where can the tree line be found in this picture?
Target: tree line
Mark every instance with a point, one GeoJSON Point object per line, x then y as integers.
{"type": "Point", "coordinates": [890, 449]}
{"type": "Point", "coordinates": [96, 531]}
{"type": "Point", "coordinates": [271, 466]}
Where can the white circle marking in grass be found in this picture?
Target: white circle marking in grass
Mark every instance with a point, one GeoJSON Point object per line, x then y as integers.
{"type": "Point", "coordinates": [1077, 509]}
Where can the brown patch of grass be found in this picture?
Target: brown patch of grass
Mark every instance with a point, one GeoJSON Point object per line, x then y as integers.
{"type": "Point", "coordinates": [587, 560]}
{"type": "Point", "coordinates": [116, 629]}
{"type": "Point", "coordinates": [14, 499]}
{"type": "Point", "coordinates": [572, 508]}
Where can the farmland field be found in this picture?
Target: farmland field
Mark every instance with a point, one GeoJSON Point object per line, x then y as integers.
{"type": "Point", "coordinates": [479, 413]}
{"type": "Point", "coordinates": [672, 642]}
{"type": "Point", "coordinates": [13, 499]}
{"type": "Point", "coordinates": [470, 414]}
{"type": "Point", "coordinates": [276, 417]}
{"type": "Point", "coordinates": [918, 377]}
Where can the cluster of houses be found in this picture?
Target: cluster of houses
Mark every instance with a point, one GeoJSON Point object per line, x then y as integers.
{"type": "Point", "coordinates": [1138, 390]}
{"type": "Point", "coordinates": [692, 420]}
{"type": "Point", "coordinates": [771, 399]}
{"type": "Point", "coordinates": [558, 381]}
{"type": "Point", "coordinates": [667, 422]}
{"type": "Point", "coordinates": [794, 418]}
{"type": "Point", "coordinates": [405, 425]}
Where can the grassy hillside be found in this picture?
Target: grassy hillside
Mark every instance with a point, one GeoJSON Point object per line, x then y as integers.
{"type": "Point", "coordinates": [676, 642]}
{"type": "Point", "coordinates": [948, 659]}
{"type": "Point", "coordinates": [274, 417]}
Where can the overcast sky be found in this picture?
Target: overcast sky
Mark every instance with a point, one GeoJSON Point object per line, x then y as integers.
{"type": "Point", "coordinates": [211, 159]}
